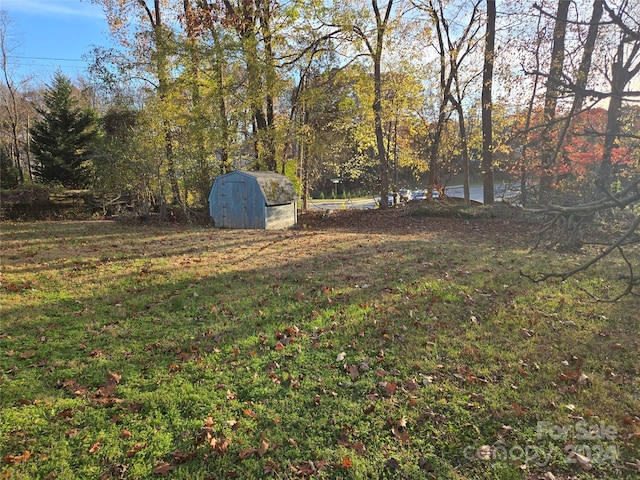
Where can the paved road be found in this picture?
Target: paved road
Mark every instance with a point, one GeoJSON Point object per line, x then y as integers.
{"type": "Point", "coordinates": [476, 194]}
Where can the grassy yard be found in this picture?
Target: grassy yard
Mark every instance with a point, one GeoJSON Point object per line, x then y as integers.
{"type": "Point", "coordinates": [406, 349]}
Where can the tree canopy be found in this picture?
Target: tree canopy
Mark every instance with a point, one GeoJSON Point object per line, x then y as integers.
{"type": "Point", "coordinates": [382, 95]}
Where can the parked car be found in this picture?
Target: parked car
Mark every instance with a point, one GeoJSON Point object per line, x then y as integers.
{"type": "Point", "coordinates": [418, 195]}
{"type": "Point", "coordinates": [404, 195]}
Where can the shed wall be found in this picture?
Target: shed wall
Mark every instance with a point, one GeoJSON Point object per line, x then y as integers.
{"type": "Point", "coordinates": [281, 216]}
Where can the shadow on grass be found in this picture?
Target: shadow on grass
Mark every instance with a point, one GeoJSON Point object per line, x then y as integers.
{"type": "Point", "coordinates": [363, 346]}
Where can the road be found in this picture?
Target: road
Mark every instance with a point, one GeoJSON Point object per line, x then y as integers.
{"type": "Point", "coordinates": [476, 193]}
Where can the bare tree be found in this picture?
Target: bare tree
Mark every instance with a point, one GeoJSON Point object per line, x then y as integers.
{"type": "Point", "coordinates": [611, 221]}
{"type": "Point", "coordinates": [10, 97]}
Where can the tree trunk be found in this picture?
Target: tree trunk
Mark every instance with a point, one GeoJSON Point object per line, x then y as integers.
{"type": "Point", "coordinates": [554, 80]}
{"type": "Point", "coordinates": [487, 105]}
{"type": "Point", "coordinates": [376, 54]}
{"type": "Point", "coordinates": [204, 175]}
{"type": "Point", "coordinates": [377, 114]}
{"type": "Point", "coordinates": [620, 76]}
{"type": "Point", "coordinates": [465, 151]}
{"type": "Point", "coordinates": [582, 76]}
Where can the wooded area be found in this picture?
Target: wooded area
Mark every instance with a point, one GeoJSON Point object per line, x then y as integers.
{"type": "Point", "coordinates": [379, 95]}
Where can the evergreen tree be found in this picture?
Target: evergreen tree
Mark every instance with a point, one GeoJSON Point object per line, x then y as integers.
{"type": "Point", "coordinates": [63, 140]}
{"type": "Point", "coordinates": [9, 173]}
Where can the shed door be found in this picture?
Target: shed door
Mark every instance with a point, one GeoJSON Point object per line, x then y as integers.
{"type": "Point", "coordinates": [234, 204]}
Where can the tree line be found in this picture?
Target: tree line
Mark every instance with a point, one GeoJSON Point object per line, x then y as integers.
{"type": "Point", "coordinates": [375, 95]}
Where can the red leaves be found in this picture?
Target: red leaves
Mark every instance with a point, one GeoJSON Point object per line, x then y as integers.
{"type": "Point", "coordinates": [346, 463]}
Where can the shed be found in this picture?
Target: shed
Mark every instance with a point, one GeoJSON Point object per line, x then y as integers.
{"type": "Point", "coordinates": [243, 199]}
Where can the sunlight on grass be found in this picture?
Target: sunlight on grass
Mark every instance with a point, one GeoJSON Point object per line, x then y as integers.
{"type": "Point", "coordinates": [131, 351]}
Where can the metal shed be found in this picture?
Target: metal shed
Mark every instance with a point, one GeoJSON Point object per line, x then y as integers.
{"type": "Point", "coordinates": [263, 200]}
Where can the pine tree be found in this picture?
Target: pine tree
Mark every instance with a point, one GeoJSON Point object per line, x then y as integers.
{"type": "Point", "coordinates": [63, 140]}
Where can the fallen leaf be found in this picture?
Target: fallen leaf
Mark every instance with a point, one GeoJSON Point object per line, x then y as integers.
{"type": "Point", "coordinates": [411, 385]}
{"type": "Point", "coordinates": [125, 433]}
{"type": "Point", "coordinates": [136, 448]}
{"type": "Point", "coordinates": [14, 459]}
{"type": "Point", "coordinates": [247, 452]}
{"type": "Point", "coordinates": [264, 446]}
{"type": "Point", "coordinates": [359, 447]}
{"type": "Point", "coordinates": [583, 379]}
{"type": "Point", "coordinates": [271, 467]}
{"type": "Point", "coordinates": [180, 457]}
{"type": "Point", "coordinates": [341, 356]}
{"type": "Point", "coordinates": [584, 462]}
{"type": "Point", "coordinates": [250, 413]}
{"type": "Point", "coordinates": [163, 469]}
{"type": "Point", "coordinates": [369, 409]}
{"type": "Point", "coordinates": [218, 444]}
{"type": "Point", "coordinates": [96, 446]}
{"type": "Point", "coordinates": [346, 463]}
{"type": "Point", "coordinates": [392, 463]}
{"type": "Point", "coordinates": [66, 413]}
{"type": "Point", "coordinates": [401, 435]}
{"type": "Point", "coordinates": [391, 388]}
{"type": "Point", "coordinates": [635, 465]}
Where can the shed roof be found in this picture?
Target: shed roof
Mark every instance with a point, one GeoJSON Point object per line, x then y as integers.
{"type": "Point", "coordinates": [277, 189]}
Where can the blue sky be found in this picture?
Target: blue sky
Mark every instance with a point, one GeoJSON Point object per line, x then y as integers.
{"type": "Point", "coordinates": [44, 36]}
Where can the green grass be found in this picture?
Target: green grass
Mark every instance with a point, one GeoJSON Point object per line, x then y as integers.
{"type": "Point", "coordinates": [131, 351]}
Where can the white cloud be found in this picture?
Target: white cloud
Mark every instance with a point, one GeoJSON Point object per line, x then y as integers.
{"type": "Point", "coordinates": [66, 8]}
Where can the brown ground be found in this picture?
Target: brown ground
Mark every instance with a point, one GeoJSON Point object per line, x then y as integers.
{"type": "Point", "coordinates": [406, 221]}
